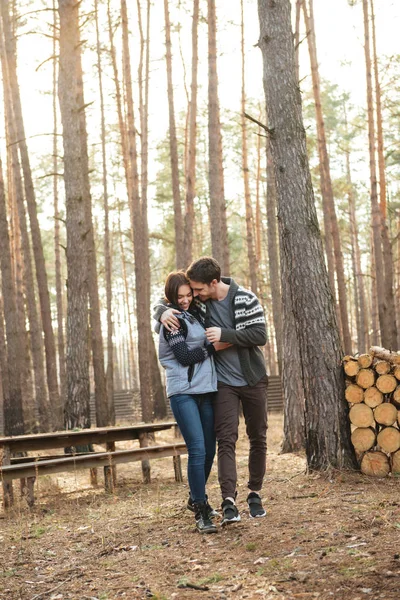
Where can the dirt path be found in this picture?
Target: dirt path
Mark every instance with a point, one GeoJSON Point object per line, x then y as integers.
{"type": "Point", "coordinates": [323, 538]}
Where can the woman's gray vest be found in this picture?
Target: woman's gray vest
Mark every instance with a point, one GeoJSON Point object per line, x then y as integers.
{"type": "Point", "coordinates": [201, 378]}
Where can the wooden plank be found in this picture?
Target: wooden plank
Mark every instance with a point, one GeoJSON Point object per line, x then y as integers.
{"type": "Point", "coordinates": [92, 459]}
{"type": "Point", "coordinates": [63, 439]}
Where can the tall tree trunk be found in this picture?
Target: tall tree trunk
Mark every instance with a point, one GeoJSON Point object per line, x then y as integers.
{"type": "Point", "coordinates": [58, 414]}
{"type": "Point", "coordinates": [191, 147]}
{"type": "Point", "coordinates": [387, 247]}
{"type": "Point", "coordinates": [218, 223]}
{"type": "Point", "coordinates": [96, 337]}
{"type": "Point", "coordinates": [303, 267]}
{"type": "Point", "coordinates": [13, 417]}
{"type": "Point", "coordinates": [138, 218]}
{"type": "Point", "coordinates": [297, 37]}
{"type": "Point", "coordinates": [41, 275]}
{"type": "Point", "coordinates": [326, 176]}
{"type": "Point", "coordinates": [107, 253]}
{"type": "Point", "coordinates": [173, 147]}
{"type": "Point", "coordinates": [251, 255]}
{"type": "Point", "coordinates": [157, 388]}
{"type": "Point", "coordinates": [77, 412]}
{"type": "Point", "coordinates": [376, 212]}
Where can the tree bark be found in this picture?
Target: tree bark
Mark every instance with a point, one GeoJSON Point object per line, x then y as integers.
{"type": "Point", "coordinates": [191, 148]}
{"type": "Point", "coordinates": [376, 213]}
{"type": "Point", "coordinates": [107, 252]}
{"type": "Point", "coordinates": [41, 275]}
{"type": "Point", "coordinates": [77, 412]}
{"type": "Point", "coordinates": [218, 223]}
{"type": "Point", "coordinates": [303, 267]}
{"type": "Point", "coordinates": [173, 146]}
{"type": "Point", "coordinates": [251, 255]}
{"type": "Point", "coordinates": [326, 183]}
{"type": "Point", "coordinates": [386, 245]}
{"type": "Point", "coordinates": [13, 416]}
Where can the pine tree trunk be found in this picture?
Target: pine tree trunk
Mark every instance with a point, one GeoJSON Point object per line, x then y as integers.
{"type": "Point", "coordinates": [218, 223]}
{"type": "Point", "coordinates": [297, 36]}
{"type": "Point", "coordinates": [58, 415]}
{"type": "Point", "coordinates": [376, 212]}
{"type": "Point", "coordinates": [273, 257]}
{"type": "Point", "coordinates": [326, 176]}
{"type": "Point", "coordinates": [107, 253]}
{"type": "Point", "coordinates": [173, 145]}
{"type": "Point", "coordinates": [77, 412]}
{"type": "Point", "coordinates": [139, 227]}
{"type": "Point", "coordinates": [41, 275]}
{"type": "Point", "coordinates": [387, 247]}
{"type": "Point", "coordinates": [302, 262]}
{"type": "Point", "coordinates": [251, 255]}
{"type": "Point", "coordinates": [191, 148]}
{"type": "Point", "coordinates": [13, 417]}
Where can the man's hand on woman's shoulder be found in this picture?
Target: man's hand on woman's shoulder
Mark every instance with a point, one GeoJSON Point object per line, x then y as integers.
{"type": "Point", "coordinates": [169, 320]}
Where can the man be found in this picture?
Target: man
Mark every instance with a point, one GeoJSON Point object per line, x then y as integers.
{"type": "Point", "coordinates": [234, 315]}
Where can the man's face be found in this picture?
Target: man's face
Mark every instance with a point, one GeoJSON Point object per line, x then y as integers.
{"type": "Point", "coordinates": [203, 291]}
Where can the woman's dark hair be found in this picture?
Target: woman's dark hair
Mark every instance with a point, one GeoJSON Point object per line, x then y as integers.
{"type": "Point", "coordinates": [172, 284]}
{"type": "Point", "coordinates": [204, 270]}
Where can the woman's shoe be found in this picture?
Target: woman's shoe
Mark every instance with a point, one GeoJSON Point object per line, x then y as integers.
{"type": "Point", "coordinates": [203, 521]}
{"type": "Point", "coordinates": [211, 511]}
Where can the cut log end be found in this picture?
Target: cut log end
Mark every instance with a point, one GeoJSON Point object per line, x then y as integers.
{"type": "Point", "coordinates": [382, 367]}
{"type": "Point", "coordinates": [365, 378]}
{"type": "Point", "coordinates": [351, 368]}
{"type": "Point", "coordinates": [389, 439]}
{"type": "Point", "coordinates": [373, 397]}
{"type": "Point", "coordinates": [375, 464]}
{"type": "Point", "coordinates": [363, 438]}
{"type": "Point", "coordinates": [354, 393]}
{"type": "Point", "coordinates": [385, 414]}
{"type": "Point", "coordinates": [386, 383]}
{"type": "Point", "coordinates": [361, 415]}
{"type": "Point", "coordinates": [365, 360]}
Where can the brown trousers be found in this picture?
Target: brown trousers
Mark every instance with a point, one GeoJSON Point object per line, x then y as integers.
{"type": "Point", "coordinates": [226, 418]}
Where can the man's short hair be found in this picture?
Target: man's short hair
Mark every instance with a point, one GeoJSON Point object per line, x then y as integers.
{"type": "Point", "coordinates": [204, 270]}
{"type": "Point", "coordinates": [172, 284]}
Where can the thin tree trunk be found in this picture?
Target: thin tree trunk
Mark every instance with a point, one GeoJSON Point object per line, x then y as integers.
{"type": "Point", "coordinates": [41, 275]}
{"type": "Point", "coordinates": [96, 337]}
{"type": "Point", "coordinates": [173, 145]}
{"type": "Point", "coordinates": [191, 147]}
{"type": "Point", "coordinates": [139, 226]}
{"type": "Point", "coordinates": [387, 247]}
{"type": "Point", "coordinates": [326, 176]}
{"type": "Point", "coordinates": [13, 416]}
{"type": "Point", "coordinates": [58, 414]}
{"type": "Point", "coordinates": [251, 255]}
{"type": "Point", "coordinates": [376, 213]}
{"type": "Point", "coordinates": [77, 411]}
{"type": "Point", "coordinates": [107, 253]}
{"type": "Point", "coordinates": [303, 267]}
{"type": "Point", "coordinates": [297, 37]}
{"type": "Point", "coordinates": [218, 223]}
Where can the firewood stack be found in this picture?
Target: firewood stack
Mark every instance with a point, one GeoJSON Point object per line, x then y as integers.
{"type": "Point", "coordinates": [373, 392]}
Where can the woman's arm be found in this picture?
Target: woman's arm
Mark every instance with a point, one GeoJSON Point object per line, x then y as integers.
{"type": "Point", "coordinates": [177, 342]}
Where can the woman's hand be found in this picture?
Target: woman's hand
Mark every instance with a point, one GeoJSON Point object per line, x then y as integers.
{"type": "Point", "coordinates": [169, 320]}
{"type": "Point", "coordinates": [213, 334]}
{"type": "Point", "coordinates": [221, 345]}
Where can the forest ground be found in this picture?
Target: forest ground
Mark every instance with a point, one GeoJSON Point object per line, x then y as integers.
{"type": "Point", "coordinates": [327, 537]}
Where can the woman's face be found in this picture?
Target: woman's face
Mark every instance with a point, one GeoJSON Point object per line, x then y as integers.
{"type": "Point", "coordinates": [185, 297]}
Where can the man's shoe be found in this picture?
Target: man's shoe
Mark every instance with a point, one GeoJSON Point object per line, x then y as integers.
{"type": "Point", "coordinates": [230, 513]}
{"type": "Point", "coordinates": [211, 511]}
{"type": "Point", "coordinates": [255, 506]}
{"type": "Point", "coordinates": [203, 521]}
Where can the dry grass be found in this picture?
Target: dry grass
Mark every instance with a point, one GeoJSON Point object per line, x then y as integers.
{"type": "Point", "coordinates": [328, 538]}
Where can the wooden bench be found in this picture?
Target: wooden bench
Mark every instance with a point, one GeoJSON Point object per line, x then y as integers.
{"type": "Point", "coordinates": [28, 468]}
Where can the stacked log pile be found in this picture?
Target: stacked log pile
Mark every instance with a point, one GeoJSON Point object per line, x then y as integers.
{"type": "Point", "coordinates": [373, 393]}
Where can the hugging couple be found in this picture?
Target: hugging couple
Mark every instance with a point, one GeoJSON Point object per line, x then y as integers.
{"type": "Point", "coordinates": [211, 330]}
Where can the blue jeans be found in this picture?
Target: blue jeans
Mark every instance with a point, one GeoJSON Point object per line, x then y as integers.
{"type": "Point", "coordinates": [195, 417]}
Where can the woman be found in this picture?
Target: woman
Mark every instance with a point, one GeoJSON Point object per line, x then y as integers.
{"type": "Point", "coordinates": [191, 378]}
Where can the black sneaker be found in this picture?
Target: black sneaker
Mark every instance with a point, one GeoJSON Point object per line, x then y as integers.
{"type": "Point", "coordinates": [255, 506]}
{"type": "Point", "coordinates": [230, 513]}
{"type": "Point", "coordinates": [211, 511]}
{"type": "Point", "coordinates": [203, 521]}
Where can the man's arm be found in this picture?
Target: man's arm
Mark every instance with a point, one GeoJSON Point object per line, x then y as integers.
{"type": "Point", "coordinates": [255, 335]}
{"type": "Point", "coordinates": [165, 315]}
